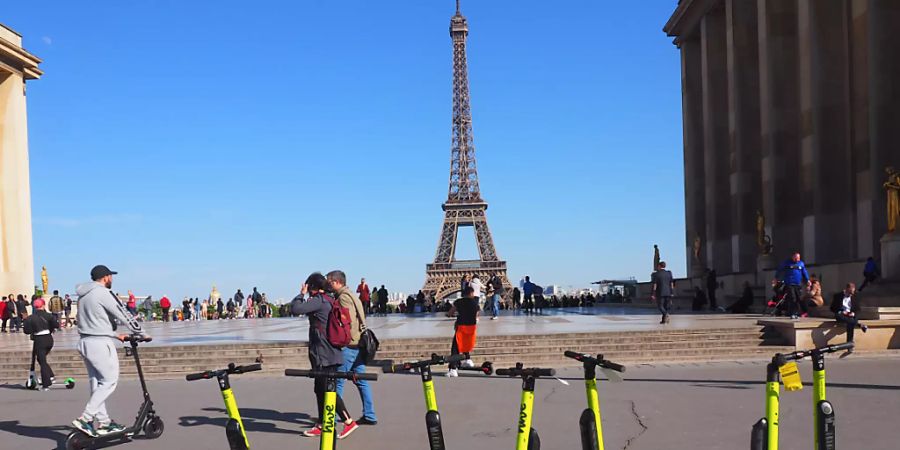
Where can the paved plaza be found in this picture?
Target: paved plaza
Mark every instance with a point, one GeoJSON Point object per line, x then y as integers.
{"type": "Point", "coordinates": [673, 407]}
{"type": "Point", "coordinates": [401, 326]}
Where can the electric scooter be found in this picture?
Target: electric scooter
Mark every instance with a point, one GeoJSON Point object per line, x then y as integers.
{"type": "Point", "coordinates": [146, 421]}
{"type": "Point", "coordinates": [327, 440]}
{"type": "Point", "coordinates": [765, 432]}
{"type": "Point", "coordinates": [234, 429]}
{"type": "Point", "coordinates": [32, 381]}
{"type": "Point", "coordinates": [432, 418]}
{"type": "Point", "coordinates": [590, 422]}
{"type": "Point", "coordinates": [527, 438]}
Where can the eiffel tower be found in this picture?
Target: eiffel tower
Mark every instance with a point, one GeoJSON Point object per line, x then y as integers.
{"type": "Point", "coordinates": [464, 206]}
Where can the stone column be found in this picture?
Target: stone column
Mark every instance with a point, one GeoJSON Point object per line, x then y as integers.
{"type": "Point", "coordinates": [780, 123]}
{"type": "Point", "coordinates": [715, 140]}
{"type": "Point", "coordinates": [884, 117]}
{"type": "Point", "coordinates": [865, 173]}
{"type": "Point", "coordinates": [829, 224]}
{"type": "Point", "coordinates": [16, 254]}
{"type": "Point", "coordinates": [694, 174]}
{"type": "Point", "coordinates": [744, 131]}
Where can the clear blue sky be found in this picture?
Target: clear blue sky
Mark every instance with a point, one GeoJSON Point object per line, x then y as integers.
{"type": "Point", "coordinates": [251, 143]}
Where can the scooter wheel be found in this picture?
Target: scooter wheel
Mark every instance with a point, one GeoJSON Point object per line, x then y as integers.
{"type": "Point", "coordinates": [77, 441]}
{"type": "Point", "coordinates": [31, 384]}
{"type": "Point", "coordinates": [70, 384]}
{"type": "Point", "coordinates": [154, 427]}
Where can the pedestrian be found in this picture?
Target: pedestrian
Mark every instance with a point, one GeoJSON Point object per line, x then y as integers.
{"type": "Point", "coordinates": [743, 304]}
{"type": "Point", "coordinates": [251, 308]}
{"type": "Point", "coordinates": [375, 301]}
{"type": "Point", "coordinates": [220, 309]}
{"type": "Point", "coordinates": [165, 304]}
{"type": "Point", "coordinates": [322, 355]}
{"type": "Point", "coordinates": [40, 325]}
{"type": "Point", "coordinates": [364, 295]}
{"type": "Point", "coordinates": [186, 308]}
{"type": "Point", "coordinates": [517, 298]}
{"type": "Point", "coordinates": [6, 305]}
{"type": "Point", "coordinates": [464, 329]}
{"type": "Point", "coordinates": [98, 311]}
{"type": "Point", "coordinates": [383, 300]}
{"type": "Point", "coordinates": [699, 299]}
{"type": "Point", "coordinates": [528, 290]}
{"type": "Point", "coordinates": [132, 304]}
{"type": "Point", "coordinates": [68, 310]}
{"type": "Point", "coordinates": [239, 302]}
{"type": "Point", "coordinates": [497, 291]}
{"type": "Point", "coordinates": [197, 309]}
{"type": "Point", "coordinates": [813, 296]}
{"type": "Point", "coordinates": [845, 306]}
{"type": "Point", "coordinates": [21, 311]}
{"type": "Point", "coordinates": [353, 360]}
{"type": "Point", "coordinates": [662, 287]}
{"type": "Point", "coordinates": [712, 284]}
{"type": "Point", "coordinates": [477, 286]}
{"type": "Point", "coordinates": [148, 309]}
{"type": "Point", "coordinates": [792, 272]}
{"type": "Point", "coordinates": [56, 306]}
{"type": "Point", "coordinates": [463, 284]}
{"type": "Point", "coordinates": [230, 306]}
{"type": "Point", "coordinates": [257, 297]}
{"type": "Point", "coordinates": [871, 273]}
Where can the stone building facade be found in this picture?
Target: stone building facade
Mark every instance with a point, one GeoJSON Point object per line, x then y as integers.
{"type": "Point", "coordinates": [790, 108]}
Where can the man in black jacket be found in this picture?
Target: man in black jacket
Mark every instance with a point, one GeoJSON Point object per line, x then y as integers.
{"type": "Point", "coordinates": [40, 324]}
{"type": "Point", "coordinates": [845, 305]}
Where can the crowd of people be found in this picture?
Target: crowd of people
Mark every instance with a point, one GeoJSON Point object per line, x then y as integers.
{"type": "Point", "coordinates": [15, 309]}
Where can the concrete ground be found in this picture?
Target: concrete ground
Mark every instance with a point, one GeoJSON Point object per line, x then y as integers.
{"type": "Point", "coordinates": [681, 406]}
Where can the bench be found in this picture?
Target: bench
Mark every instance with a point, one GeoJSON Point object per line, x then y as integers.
{"type": "Point", "coordinates": [815, 332]}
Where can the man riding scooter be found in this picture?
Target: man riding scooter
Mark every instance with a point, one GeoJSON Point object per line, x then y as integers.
{"type": "Point", "coordinates": [98, 311]}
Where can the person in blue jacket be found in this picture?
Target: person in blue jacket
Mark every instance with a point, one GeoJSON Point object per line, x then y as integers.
{"type": "Point", "coordinates": [792, 272]}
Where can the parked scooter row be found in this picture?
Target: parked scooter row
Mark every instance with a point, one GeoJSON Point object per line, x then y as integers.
{"type": "Point", "coordinates": [763, 437]}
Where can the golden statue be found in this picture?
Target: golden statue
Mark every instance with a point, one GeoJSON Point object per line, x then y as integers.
{"type": "Point", "coordinates": [763, 241]}
{"type": "Point", "coordinates": [44, 280]}
{"type": "Point", "coordinates": [214, 296]}
{"type": "Point", "coordinates": [892, 187]}
{"type": "Point", "coordinates": [655, 257]}
{"type": "Point", "coordinates": [698, 245]}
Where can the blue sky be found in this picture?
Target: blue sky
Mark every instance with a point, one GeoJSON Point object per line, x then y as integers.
{"type": "Point", "coordinates": [250, 143]}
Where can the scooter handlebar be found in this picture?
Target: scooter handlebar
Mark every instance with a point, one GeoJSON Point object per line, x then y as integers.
{"type": "Point", "coordinates": [838, 347]}
{"type": "Point", "coordinates": [318, 373]}
{"type": "Point", "coordinates": [534, 372]}
{"type": "Point", "coordinates": [245, 369]}
{"type": "Point", "coordinates": [433, 361]}
{"type": "Point", "coordinates": [198, 376]}
{"type": "Point", "coordinates": [800, 354]}
{"type": "Point", "coordinates": [599, 361]}
{"type": "Point", "coordinates": [137, 338]}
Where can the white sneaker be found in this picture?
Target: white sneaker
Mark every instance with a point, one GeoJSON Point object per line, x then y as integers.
{"type": "Point", "coordinates": [452, 373]}
{"type": "Point", "coordinates": [494, 318]}
{"type": "Point", "coordinates": [468, 363]}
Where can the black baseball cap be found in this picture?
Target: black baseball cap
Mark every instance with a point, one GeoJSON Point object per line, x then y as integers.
{"type": "Point", "coordinates": [101, 271]}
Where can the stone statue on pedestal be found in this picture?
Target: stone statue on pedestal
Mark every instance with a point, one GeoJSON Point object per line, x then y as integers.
{"type": "Point", "coordinates": [763, 241]}
{"type": "Point", "coordinates": [45, 281]}
{"type": "Point", "coordinates": [892, 187]}
{"type": "Point", "coordinates": [655, 257]}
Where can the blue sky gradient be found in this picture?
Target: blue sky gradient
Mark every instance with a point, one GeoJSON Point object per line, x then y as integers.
{"type": "Point", "coordinates": [249, 144]}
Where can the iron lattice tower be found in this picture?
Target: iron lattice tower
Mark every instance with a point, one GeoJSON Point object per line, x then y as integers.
{"type": "Point", "coordinates": [464, 206]}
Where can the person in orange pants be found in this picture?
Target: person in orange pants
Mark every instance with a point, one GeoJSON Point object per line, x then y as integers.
{"type": "Point", "coordinates": [466, 311]}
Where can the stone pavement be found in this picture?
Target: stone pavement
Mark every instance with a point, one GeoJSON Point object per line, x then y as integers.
{"type": "Point", "coordinates": [401, 326]}
{"type": "Point", "coordinates": [672, 407]}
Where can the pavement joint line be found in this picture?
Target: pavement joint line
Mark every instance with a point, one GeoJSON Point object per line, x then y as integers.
{"type": "Point", "coordinates": [640, 421]}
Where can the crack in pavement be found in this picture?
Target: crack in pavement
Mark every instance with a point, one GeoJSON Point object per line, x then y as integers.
{"type": "Point", "coordinates": [640, 422]}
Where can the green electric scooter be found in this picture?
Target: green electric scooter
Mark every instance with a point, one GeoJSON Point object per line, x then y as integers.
{"type": "Point", "coordinates": [432, 417]}
{"type": "Point", "coordinates": [327, 439]}
{"type": "Point", "coordinates": [765, 432]}
{"type": "Point", "coordinates": [234, 428]}
{"type": "Point", "coordinates": [590, 422]}
{"type": "Point", "coordinates": [527, 437]}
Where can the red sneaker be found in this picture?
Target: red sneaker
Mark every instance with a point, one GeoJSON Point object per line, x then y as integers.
{"type": "Point", "coordinates": [804, 315]}
{"type": "Point", "coordinates": [771, 304]}
{"type": "Point", "coordinates": [315, 431]}
{"type": "Point", "coordinates": [348, 428]}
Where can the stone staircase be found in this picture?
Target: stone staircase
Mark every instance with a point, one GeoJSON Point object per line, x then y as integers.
{"type": "Point", "coordinates": [631, 347]}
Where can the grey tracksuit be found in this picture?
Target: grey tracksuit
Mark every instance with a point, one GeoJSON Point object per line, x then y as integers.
{"type": "Point", "coordinates": [98, 312]}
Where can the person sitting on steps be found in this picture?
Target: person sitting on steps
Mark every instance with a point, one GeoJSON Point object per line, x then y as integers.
{"type": "Point", "coordinates": [845, 305]}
